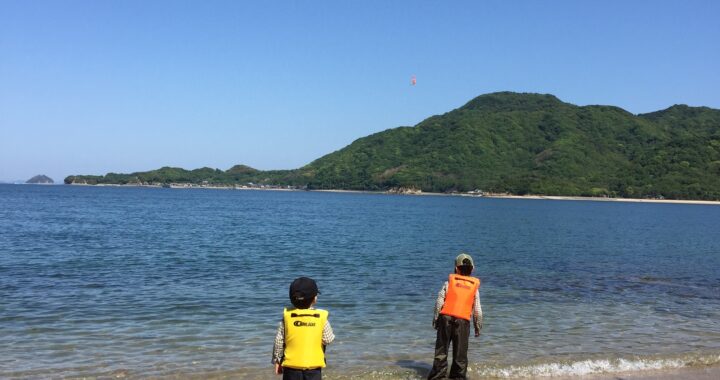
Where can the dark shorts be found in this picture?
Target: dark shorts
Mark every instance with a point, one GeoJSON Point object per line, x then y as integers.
{"type": "Point", "coordinates": [302, 374]}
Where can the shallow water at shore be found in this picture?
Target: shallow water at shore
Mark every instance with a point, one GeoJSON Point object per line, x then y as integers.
{"type": "Point", "coordinates": [138, 282]}
{"type": "Point", "coordinates": [688, 366]}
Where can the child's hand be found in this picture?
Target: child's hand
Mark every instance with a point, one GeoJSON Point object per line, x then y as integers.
{"type": "Point", "coordinates": [278, 369]}
{"type": "Point", "coordinates": [477, 333]}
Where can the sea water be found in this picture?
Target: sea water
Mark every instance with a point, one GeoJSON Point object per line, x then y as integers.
{"type": "Point", "coordinates": [190, 283]}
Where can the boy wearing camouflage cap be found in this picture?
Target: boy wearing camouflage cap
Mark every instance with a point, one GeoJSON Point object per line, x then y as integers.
{"type": "Point", "coordinates": [457, 301]}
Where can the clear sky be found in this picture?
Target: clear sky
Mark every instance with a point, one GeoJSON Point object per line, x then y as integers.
{"type": "Point", "coordinates": [90, 87]}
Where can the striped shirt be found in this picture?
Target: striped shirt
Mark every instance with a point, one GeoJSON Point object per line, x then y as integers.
{"type": "Point", "coordinates": [279, 346]}
{"type": "Point", "coordinates": [476, 312]}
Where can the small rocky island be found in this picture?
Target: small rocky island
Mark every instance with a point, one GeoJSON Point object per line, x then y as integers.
{"type": "Point", "coordinates": [40, 179]}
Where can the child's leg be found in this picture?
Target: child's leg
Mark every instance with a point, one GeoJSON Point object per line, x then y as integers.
{"type": "Point", "coordinates": [460, 336]}
{"type": "Point", "coordinates": [442, 342]}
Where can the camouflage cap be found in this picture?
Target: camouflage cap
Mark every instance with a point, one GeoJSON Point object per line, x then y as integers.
{"type": "Point", "coordinates": [464, 259]}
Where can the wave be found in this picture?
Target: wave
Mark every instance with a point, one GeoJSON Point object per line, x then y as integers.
{"type": "Point", "coordinates": [552, 367]}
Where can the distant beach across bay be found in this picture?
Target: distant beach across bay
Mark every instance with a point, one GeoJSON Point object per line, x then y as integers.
{"type": "Point", "coordinates": [420, 193]}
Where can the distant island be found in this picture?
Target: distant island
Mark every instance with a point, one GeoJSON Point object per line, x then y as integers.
{"type": "Point", "coordinates": [40, 179]}
{"type": "Point", "coordinates": [503, 143]}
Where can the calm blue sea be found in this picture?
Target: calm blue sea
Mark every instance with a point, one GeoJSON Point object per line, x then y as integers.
{"type": "Point", "coordinates": [148, 282]}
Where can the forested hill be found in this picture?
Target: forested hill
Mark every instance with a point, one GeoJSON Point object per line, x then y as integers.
{"type": "Point", "coordinates": [521, 144]}
{"type": "Point", "coordinates": [530, 143]}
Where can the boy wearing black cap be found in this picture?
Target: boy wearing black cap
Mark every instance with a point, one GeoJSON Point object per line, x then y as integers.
{"type": "Point", "coordinates": [457, 301]}
{"type": "Point", "coordinates": [299, 349]}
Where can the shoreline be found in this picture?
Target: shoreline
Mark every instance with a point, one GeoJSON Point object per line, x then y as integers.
{"type": "Point", "coordinates": [711, 372]}
{"type": "Point", "coordinates": [492, 196]}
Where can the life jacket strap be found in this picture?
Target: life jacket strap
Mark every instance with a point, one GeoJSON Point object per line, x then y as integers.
{"type": "Point", "coordinates": [295, 315]}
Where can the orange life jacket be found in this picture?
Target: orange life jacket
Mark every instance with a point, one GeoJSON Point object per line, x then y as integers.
{"type": "Point", "coordinates": [460, 296]}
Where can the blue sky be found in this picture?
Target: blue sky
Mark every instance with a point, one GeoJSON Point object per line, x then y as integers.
{"type": "Point", "coordinates": [90, 87]}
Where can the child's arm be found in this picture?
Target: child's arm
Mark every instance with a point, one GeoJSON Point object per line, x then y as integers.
{"type": "Point", "coordinates": [328, 336]}
{"type": "Point", "coordinates": [477, 314]}
{"type": "Point", "coordinates": [278, 348]}
{"type": "Point", "coordinates": [439, 303]}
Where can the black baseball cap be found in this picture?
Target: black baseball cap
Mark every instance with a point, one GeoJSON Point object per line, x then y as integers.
{"type": "Point", "coordinates": [303, 288]}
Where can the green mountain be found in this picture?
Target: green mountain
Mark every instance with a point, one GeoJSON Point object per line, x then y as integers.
{"type": "Point", "coordinates": [510, 142]}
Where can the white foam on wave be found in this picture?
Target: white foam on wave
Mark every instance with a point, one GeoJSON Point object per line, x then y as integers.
{"type": "Point", "coordinates": [597, 366]}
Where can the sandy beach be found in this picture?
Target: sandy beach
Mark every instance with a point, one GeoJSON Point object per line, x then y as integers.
{"type": "Point", "coordinates": [546, 197]}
